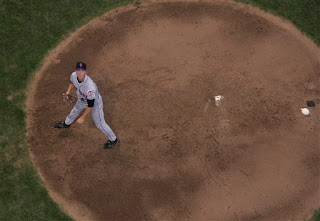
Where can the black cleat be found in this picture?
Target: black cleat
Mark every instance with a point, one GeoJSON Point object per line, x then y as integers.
{"type": "Point", "coordinates": [61, 125]}
{"type": "Point", "coordinates": [110, 143]}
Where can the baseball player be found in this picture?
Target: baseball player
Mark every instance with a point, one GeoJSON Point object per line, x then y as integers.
{"type": "Point", "coordinates": [88, 100]}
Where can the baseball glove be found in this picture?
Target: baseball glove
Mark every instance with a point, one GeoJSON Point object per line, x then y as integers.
{"type": "Point", "coordinates": [68, 99]}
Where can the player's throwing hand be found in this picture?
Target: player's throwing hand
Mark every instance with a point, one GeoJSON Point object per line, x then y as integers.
{"type": "Point", "coordinates": [80, 120]}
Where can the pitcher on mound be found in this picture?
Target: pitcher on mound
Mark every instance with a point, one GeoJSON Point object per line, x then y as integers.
{"type": "Point", "coordinates": [88, 101]}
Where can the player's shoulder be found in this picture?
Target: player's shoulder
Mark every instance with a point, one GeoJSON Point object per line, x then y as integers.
{"type": "Point", "coordinates": [90, 84]}
{"type": "Point", "coordinates": [89, 80]}
{"type": "Point", "coordinates": [73, 77]}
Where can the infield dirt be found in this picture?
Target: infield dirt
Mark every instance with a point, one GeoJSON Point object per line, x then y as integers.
{"type": "Point", "coordinates": [158, 67]}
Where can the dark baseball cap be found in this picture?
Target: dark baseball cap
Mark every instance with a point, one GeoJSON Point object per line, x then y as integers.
{"type": "Point", "coordinates": [81, 66]}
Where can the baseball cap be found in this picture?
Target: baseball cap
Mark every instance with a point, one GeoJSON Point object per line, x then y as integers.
{"type": "Point", "coordinates": [81, 66]}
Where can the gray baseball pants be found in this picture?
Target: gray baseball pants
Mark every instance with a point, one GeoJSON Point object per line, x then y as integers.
{"type": "Point", "coordinates": [97, 116]}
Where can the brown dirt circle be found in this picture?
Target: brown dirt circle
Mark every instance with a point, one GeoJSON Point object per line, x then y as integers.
{"type": "Point", "coordinates": [158, 66]}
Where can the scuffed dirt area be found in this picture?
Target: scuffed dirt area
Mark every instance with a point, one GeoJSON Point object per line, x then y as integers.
{"type": "Point", "coordinates": [158, 67]}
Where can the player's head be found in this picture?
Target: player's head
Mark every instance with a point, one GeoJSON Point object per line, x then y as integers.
{"type": "Point", "coordinates": [81, 68]}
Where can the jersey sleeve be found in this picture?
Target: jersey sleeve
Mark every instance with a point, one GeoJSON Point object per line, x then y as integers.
{"type": "Point", "coordinates": [91, 94]}
{"type": "Point", "coordinates": [90, 103]}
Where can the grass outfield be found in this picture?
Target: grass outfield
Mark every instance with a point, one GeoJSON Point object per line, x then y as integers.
{"type": "Point", "coordinates": [304, 14]}
{"type": "Point", "coordinates": [28, 30]}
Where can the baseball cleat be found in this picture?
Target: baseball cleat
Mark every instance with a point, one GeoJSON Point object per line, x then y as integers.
{"type": "Point", "coordinates": [110, 144]}
{"type": "Point", "coordinates": [61, 125]}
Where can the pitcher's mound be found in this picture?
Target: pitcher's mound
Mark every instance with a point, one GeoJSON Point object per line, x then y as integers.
{"type": "Point", "coordinates": [183, 155]}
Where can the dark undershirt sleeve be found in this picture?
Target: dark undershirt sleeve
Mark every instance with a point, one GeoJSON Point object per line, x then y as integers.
{"type": "Point", "coordinates": [90, 103]}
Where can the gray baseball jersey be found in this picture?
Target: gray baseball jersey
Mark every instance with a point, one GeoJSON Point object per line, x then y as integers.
{"type": "Point", "coordinates": [88, 90]}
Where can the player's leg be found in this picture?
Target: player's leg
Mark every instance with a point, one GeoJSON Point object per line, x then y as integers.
{"type": "Point", "coordinates": [76, 110]}
{"type": "Point", "coordinates": [74, 113]}
{"type": "Point", "coordinates": [98, 118]}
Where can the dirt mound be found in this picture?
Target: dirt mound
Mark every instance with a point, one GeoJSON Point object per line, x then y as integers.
{"type": "Point", "coordinates": [182, 156]}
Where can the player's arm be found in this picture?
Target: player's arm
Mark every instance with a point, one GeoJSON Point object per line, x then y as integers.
{"type": "Point", "coordinates": [87, 111]}
{"type": "Point", "coordinates": [69, 88]}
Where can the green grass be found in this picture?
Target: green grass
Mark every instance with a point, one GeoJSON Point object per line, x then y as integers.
{"type": "Point", "coordinates": [304, 14]}
{"type": "Point", "coordinates": [28, 30]}
{"type": "Point", "coordinates": [316, 216]}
